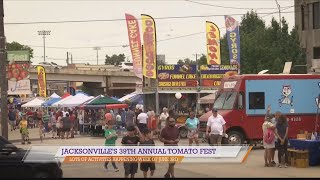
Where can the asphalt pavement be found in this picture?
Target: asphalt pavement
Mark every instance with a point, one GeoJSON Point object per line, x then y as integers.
{"type": "Point", "coordinates": [252, 167]}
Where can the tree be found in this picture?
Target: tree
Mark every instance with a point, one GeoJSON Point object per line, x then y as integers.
{"type": "Point", "coordinates": [264, 47]}
{"type": "Point", "coordinates": [186, 61]}
{"type": "Point", "coordinates": [115, 59]}
{"type": "Point", "coordinates": [15, 46]}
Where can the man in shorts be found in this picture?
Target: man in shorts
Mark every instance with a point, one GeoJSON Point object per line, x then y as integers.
{"type": "Point", "coordinates": [170, 136]}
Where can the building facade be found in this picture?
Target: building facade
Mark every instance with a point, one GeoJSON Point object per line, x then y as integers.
{"type": "Point", "coordinates": [307, 20]}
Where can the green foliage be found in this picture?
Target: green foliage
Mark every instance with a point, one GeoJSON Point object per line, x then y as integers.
{"type": "Point", "coordinates": [264, 47]}
{"type": "Point", "coordinates": [186, 61]}
{"type": "Point", "coordinates": [15, 46]}
{"type": "Point", "coordinates": [115, 59]}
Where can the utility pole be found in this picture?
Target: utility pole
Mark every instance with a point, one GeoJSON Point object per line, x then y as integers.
{"type": "Point", "coordinates": [3, 77]}
{"type": "Point", "coordinates": [198, 82]}
{"type": "Point", "coordinates": [279, 8]}
{"type": "Point", "coordinates": [97, 49]}
{"type": "Point", "coordinates": [44, 33]}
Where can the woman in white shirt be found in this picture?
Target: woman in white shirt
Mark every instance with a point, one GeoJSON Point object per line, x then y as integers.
{"type": "Point", "coordinates": [163, 117]}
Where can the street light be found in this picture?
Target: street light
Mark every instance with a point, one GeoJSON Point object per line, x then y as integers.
{"type": "Point", "coordinates": [44, 33]}
{"type": "Point", "coordinates": [97, 49]}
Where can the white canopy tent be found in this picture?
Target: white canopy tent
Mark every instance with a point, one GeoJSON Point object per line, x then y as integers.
{"type": "Point", "coordinates": [57, 104]}
{"type": "Point", "coordinates": [34, 103]}
{"type": "Point", "coordinates": [76, 100]}
{"type": "Point", "coordinates": [128, 96]}
{"type": "Point", "coordinates": [54, 95]}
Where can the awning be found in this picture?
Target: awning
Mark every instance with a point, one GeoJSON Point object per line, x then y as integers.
{"type": "Point", "coordinates": [116, 106]}
{"type": "Point", "coordinates": [176, 91]}
{"type": "Point", "coordinates": [209, 99]}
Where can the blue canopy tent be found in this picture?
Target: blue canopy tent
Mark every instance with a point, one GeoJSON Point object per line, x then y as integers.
{"type": "Point", "coordinates": [50, 102]}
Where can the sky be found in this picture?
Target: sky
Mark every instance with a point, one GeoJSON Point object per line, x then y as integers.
{"type": "Point", "coordinates": [178, 38]}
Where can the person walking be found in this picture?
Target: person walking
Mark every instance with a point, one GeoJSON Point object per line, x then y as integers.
{"type": "Point", "coordinates": [53, 123]}
{"type": "Point", "coordinates": [12, 119]}
{"type": "Point", "coordinates": [66, 126]}
{"type": "Point", "coordinates": [130, 117]}
{"type": "Point", "coordinates": [216, 124]}
{"type": "Point", "coordinates": [163, 117]}
{"type": "Point", "coordinates": [170, 136]}
{"type": "Point", "coordinates": [281, 132]}
{"type": "Point", "coordinates": [193, 125]}
{"type": "Point", "coordinates": [142, 121]}
{"type": "Point", "coordinates": [24, 130]}
{"type": "Point", "coordinates": [111, 137]}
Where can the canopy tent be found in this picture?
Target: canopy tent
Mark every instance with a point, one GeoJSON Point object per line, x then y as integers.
{"type": "Point", "coordinates": [51, 101]}
{"type": "Point", "coordinates": [209, 99]}
{"type": "Point", "coordinates": [34, 103]}
{"type": "Point", "coordinates": [58, 103]}
{"type": "Point", "coordinates": [65, 95]}
{"type": "Point", "coordinates": [76, 100]}
{"type": "Point", "coordinates": [104, 100]}
{"type": "Point", "coordinates": [54, 95]}
{"type": "Point", "coordinates": [128, 96]}
{"type": "Point", "coordinates": [137, 99]}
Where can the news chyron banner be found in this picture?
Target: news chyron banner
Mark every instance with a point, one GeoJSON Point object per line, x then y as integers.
{"type": "Point", "coordinates": [213, 44]}
{"type": "Point", "coordinates": [149, 47]}
{"type": "Point", "coordinates": [233, 37]}
{"type": "Point", "coordinates": [135, 44]}
{"type": "Point", "coordinates": [42, 82]}
{"type": "Point", "coordinates": [157, 154]}
{"type": "Point", "coordinates": [18, 72]}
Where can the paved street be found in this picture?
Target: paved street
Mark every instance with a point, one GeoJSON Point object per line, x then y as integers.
{"type": "Point", "coordinates": [253, 167]}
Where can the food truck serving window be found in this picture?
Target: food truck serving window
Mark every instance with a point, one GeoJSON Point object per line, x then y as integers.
{"type": "Point", "coordinates": [225, 100]}
{"type": "Point", "coordinates": [256, 100]}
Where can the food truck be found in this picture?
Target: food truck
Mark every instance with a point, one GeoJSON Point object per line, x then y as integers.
{"type": "Point", "coordinates": [243, 100]}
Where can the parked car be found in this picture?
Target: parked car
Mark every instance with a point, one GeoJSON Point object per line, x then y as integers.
{"type": "Point", "coordinates": [12, 164]}
{"type": "Point", "coordinates": [49, 64]}
{"type": "Point", "coordinates": [127, 66]}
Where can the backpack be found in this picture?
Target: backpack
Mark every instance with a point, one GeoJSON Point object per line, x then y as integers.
{"type": "Point", "coordinates": [269, 136]}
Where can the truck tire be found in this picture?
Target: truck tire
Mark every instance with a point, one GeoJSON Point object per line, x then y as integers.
{"type": "Point", "coordinates": [235, 138]}
{"type": "Point", "coordinates": [183, 132]}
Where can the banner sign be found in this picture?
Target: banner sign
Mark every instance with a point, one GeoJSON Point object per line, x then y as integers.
{"type": "Point", "coordinates": [135, 44]}
{"type": "Point", "coordinates": [18, 72]}
{"type": "Point", "coordinates": [177, 76]}
{"type": "Point", "coordinates": [213, 44]}
{"type": "Point", "coordinates": [211, 75]}
{"type": "Point", "coordinates": [42, 83]}
{"type": "Point", "coordinates": [233, 38]}
{"type": "Point", "coordinates": [149, 47]}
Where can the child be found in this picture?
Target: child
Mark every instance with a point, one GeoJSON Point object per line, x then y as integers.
{"type": "Point", "coordinates": [130, 139]}
{"type": "Point", "coordinates": [24, 130]}
{"type": "Point", "coordinates": [111, 137]}
{"type": "Point", "coordinates": [41, 130]}
{"type": "Point", "coordinates": [147, 140]}
{"type": "Point", "coordinates": [268, 140]}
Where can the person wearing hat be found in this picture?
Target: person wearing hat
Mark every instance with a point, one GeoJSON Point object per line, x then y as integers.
{"type": "Point", "coordinates": [216, 124]}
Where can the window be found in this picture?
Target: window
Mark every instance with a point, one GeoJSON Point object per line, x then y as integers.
{"type": "Point", "coordinates": [128, 64]}
{"type": "Point", "coordinates": [316, 15]}
{"type": "Point", "coordinates": [316, 53]}
{"type": "Point", "coordinates": [256, 100]}
{"type": "Point", "coordinates": [225, 100]}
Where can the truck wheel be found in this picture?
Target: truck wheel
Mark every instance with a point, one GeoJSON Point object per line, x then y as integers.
{"type": "Point", "coordinates": [183, 132]}
{"type": "Point", "coordinates": [41, 175]}
{"type": "Point", "coordinates": [235, 138]}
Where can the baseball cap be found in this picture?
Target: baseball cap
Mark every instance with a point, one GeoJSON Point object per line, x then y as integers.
{"type": "Point", "coordinates": [214, 110]}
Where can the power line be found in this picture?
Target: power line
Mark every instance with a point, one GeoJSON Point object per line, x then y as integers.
{"type": "Point", "coordinates": [121, 19]}
{"type": "Point", "coordinates": [228, 7]}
